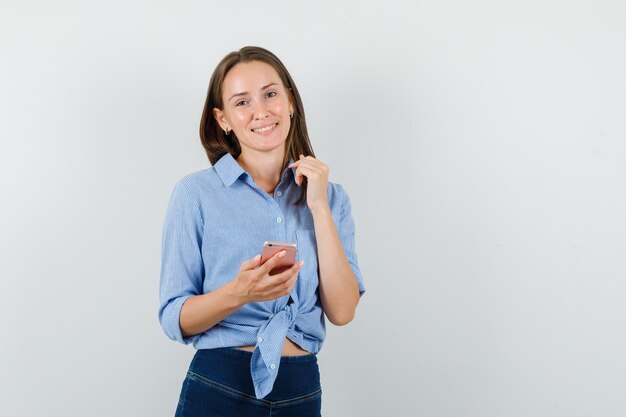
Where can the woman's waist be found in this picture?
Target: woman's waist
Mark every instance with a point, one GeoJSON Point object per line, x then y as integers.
{"type": "Point", "coordinates": [289, 349]}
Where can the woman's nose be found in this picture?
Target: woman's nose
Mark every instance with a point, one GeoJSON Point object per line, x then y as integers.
{"type": "Point", "coordinates": [260, 111]}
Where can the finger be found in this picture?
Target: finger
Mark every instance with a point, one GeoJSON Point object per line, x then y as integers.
{"type": "Point", "coordinates": [271, 262]}
{"type": "Point", "coordinates": [308, 172]}
{"type": "Point", "coordinates": [297, 163]}
{"type": "Point", "coordinates": [293, 274]}
{"type": "Point", "coordinates": [312, 163]}
{"type": "Point", "coordinates": [284, 276]}
{"type": "Point", "coordinates": [318, 164]}
{"type": "Point", "coordinates": [303, 171]}
{"type": "Point", "coordinates": [285, 287]}
{"type": "Point", "coordinates": [250, 263]}
{"type": "Point", "coordinates": [292, 281]}
{"type": "Point", "coordinates": [299, 178]}
{"type": "Point", "coordinates": [273, 286]}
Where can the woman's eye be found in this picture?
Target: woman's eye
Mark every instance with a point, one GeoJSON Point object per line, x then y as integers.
{"type": "Point", "coordinates": [271, 94]}
{"type": "Point", "coordinates": [241, 102]}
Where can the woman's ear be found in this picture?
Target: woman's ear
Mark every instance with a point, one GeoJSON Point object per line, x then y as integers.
{"type": "Point", "coordinates": [291, 106]}
{"type": "Point", "coordinates": [291, 100]}
{"type": "Point", "coordinates": [219, 117]}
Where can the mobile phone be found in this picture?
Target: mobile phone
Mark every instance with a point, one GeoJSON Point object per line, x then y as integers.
{"type": "Point", "coordinates": [271, 247]}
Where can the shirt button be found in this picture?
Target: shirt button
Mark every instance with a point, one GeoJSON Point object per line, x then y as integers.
{"type": "Point", "coordinates": [279, 219]}
{"type": "Point", "coordinates": [270, 316]}
{"type": "Point", "coordinates": [260, 339]}
{"type": "Point", "coordinates": [273, 366]}
{"type": "Point", "coordinates": [279, 193]}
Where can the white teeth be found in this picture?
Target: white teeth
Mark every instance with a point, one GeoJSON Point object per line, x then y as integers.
{"type": "Point", "coordinates": [264, 129]}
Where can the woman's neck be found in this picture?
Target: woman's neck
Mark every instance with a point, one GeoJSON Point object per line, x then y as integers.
{"type": "Point", "coordinates": [265, 168]}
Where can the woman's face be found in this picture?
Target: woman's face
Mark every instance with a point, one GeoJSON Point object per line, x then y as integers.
{"type": "Point", "coordinates": [256, 107]}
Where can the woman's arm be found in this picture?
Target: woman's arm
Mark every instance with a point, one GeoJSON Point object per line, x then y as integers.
{"type": "Point", "coordinates": [338, 286]}
{"type": "Point", "coordinates": [201, 312]}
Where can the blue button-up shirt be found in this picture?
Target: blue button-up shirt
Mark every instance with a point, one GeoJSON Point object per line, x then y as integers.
{"type": "Point", "coordinates": [216, 219]}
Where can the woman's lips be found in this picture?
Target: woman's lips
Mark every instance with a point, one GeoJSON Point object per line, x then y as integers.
{"type": "Point", "coordinates": [266, 130]}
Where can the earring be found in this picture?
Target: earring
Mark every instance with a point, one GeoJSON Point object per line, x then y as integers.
{"type": "Point", "coordinates": [290, 115]}
{"type": "Point", "coordinates": [227, 131]}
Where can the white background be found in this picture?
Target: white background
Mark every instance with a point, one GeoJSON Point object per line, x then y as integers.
{"type": "Point", "coordinates": [483, 147]}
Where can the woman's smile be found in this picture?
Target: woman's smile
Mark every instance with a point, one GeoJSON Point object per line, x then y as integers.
{"type": "Point", "coordinates": [265, 130]}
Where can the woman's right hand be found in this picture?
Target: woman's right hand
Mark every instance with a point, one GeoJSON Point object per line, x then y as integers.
{"type": "Point", "coordinates": [254, 283]}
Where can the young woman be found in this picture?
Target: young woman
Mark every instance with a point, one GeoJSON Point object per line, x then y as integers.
{"type": "Point", "coordinates": [256, 333]}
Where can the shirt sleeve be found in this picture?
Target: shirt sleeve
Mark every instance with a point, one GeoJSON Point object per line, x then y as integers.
{"type": "Point", "coordinates": [346, 233]}
{"type": "Point", "coordinates": [182, 268]}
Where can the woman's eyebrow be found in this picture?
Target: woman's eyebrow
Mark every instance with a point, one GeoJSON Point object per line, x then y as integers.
{"type": "Point", "coordinates": [245, 92]}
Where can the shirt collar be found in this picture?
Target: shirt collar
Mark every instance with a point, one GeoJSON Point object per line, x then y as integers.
{"type": "Point", "coordinates": [229, 170]}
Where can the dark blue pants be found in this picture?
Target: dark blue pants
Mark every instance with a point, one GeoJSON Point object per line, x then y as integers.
{"type": "Point", "coordinates": [219, 384]}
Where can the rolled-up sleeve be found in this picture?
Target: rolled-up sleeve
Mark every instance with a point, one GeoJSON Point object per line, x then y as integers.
{"type": "Point", "coordinates": [182, 268]}
{"type": "Point", "coordinates": [346, 233]}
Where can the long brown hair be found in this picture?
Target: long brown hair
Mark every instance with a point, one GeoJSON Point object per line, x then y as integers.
{"type": "Point", "coordinates": [216, 143]}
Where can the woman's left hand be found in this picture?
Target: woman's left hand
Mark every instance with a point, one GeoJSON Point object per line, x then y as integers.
{"type": "Point", "coordinates": [316, 173]}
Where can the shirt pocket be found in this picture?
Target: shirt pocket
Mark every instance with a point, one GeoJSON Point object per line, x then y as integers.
{"type": "Point", "coordinates": [307, 251]}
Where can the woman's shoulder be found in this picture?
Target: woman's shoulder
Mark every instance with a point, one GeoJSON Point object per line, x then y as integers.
{"type": "Point", "coordinates": [334, 189]}
{"type": "Point", "coordinates": [197, 187]}
{"type": "Point", "coordinates": [197, 180]}
{"type": "Point", "coordinates": [337, 195]}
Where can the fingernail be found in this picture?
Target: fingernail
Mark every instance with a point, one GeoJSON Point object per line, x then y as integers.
{"type": "Point", "coordinates": [282, 253]}
{"type": "Point", "coordinates": [256, 258]}
{"type": "Point", "coordinates": [302, 262]}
